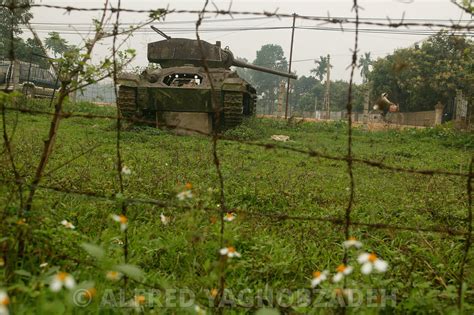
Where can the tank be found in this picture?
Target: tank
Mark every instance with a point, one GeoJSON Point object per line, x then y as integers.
{"type": "Point", "coordinates": [179, 93]}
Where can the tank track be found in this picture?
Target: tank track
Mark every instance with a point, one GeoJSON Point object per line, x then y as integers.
{"type": "Point", "coordinates": [233, 109]}
{"type": "Point", "coordinates": [127, 101]}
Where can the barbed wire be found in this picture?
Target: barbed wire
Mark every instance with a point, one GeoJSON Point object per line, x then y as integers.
{"type": "Point", "coordinates": [32, 183]}
{"type": "Point", "coordinates": [229, 12]}
{"type": "Point", "coordinates": [269, 146]}
{"type": "Point", "coordinates": [257, 213]}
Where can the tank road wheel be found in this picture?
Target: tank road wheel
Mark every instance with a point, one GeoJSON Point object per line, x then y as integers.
{"type": "Point", "coordinates": [127, 101]}
{"type": "Point", "coordinates": [233, 109]}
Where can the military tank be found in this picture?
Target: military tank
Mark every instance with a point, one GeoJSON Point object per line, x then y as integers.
{"type": "Point", "coordinates": [178, 94]}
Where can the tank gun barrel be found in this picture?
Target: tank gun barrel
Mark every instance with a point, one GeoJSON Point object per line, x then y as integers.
{"type": "Point", "coordinates": [241, 64]}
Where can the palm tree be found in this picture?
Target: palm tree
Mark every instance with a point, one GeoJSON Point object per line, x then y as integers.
{"type": "Point", "coordinates": [321, 67]}
{"type": "Point", "coordinates": [56, 44]}
{"type": "Point", "coordinates": [364, 64]}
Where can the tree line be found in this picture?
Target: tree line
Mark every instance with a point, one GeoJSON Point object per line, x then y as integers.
{"type": "Point", "coordinates": [415, 77]}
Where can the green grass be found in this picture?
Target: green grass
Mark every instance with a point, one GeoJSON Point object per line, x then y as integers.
{"type": "Point", "coordinates": [276, 254]}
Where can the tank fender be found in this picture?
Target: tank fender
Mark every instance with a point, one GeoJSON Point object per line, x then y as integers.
{"type": "Point", "coordinates": [129, 79]}
{"type": "Point", "coordinates": [234, 84]}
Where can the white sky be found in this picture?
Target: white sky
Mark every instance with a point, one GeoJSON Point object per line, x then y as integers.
{"type": "Point", "coordinates": [309, 44]}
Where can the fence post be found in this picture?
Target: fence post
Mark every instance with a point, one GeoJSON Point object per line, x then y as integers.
{"type": "Point", "coordinates": [438, 113]}
{"type": "Point", "coordinates": [16, 74]}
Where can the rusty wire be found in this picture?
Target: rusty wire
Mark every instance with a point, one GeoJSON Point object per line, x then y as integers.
{"type": "Point", "coordinates": [231, 13]}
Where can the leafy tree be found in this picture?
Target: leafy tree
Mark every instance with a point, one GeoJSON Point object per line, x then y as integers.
{"type": "Point", "coordinates": [419, 77]}
{"type": "Point", "coordinates": [321, 67]}
{"type": "Point", "coordinates": [269, 56]}
{"type": "Point", "coordinates": [10, 27]}
{"type": "Point", "coordinates": [305, 91]}
{"type": "Point", "coordinates": [56, 44]}
{"type": "Point", "coordinates": [244, 73]}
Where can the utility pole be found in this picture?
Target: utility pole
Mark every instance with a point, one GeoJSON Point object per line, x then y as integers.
{"type": "Point", "coordinates": [327, 101]}
{"type": "Point", "coordinates": [289, 66]}
{"type": "Point", "coordinates": [315, 107]}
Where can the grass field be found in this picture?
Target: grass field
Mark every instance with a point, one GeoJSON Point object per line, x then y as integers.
{"type": "Point", "coordinates": [278, 255]}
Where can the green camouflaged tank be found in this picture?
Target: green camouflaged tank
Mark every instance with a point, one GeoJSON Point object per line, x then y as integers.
{"type": "Point", "coordinates": [179, 94]}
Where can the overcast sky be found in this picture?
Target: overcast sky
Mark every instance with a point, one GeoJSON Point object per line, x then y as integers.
{"type": "Point", "coordinates": [308, 45]}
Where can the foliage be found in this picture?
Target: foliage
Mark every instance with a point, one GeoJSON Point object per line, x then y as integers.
{"type": "Point", "coordinates": [304, 94]}
{"type": "Point", "coordinates": [419, 77]}
{"type": "Point", "coordinates": [11, 44]}
{"type": "Point", "coordinates": [11, 19]}
{"type": "Point", "coordinates": [56, 44]}
{"type": "Point", "coordinates": [308, 89]}
{"type": "Point", "coordinates": [365, 62]}
{"type": "Point", "coordinates": [322, 66]}
{"type": "Point", "coordinates": [244, 73]}
{"type": "Point", "coordinates": [269, 56]}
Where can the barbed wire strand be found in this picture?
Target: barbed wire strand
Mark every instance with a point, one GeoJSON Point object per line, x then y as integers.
{"type": "Point", "coordinates": [229, 12]}
{"type": "Point", "coordinates": [276, 216]}
{"type": "Point", "coordinates": [268, 146]}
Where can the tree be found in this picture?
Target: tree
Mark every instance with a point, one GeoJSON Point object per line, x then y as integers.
{"type": "Point", "coordinates": [305, 91]}
{"type": "Point", "coordinates": [269, 56]}
{"type": "Point", "coordinates": [419, 77]}
{"type": "Point", "coordinates": [321, 67]}
{"type": "Point", "coordinates": [364, 64]}
{"type": "Point", "coordinates": [56, 44]}
{"type": "Point", "coordinates": [244, 73]}
{"type": "Point", "coordinates": [10, 42]}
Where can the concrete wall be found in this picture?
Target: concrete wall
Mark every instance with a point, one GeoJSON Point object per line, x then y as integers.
{"type": "Point", "coordinates": [425, 118]}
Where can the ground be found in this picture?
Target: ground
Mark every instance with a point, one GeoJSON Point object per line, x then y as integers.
{"type": "Point", "coordinates": [260, 185]}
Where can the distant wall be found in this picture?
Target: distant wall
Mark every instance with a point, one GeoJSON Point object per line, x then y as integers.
{"type": "Point", "coordinates": [425, 118]}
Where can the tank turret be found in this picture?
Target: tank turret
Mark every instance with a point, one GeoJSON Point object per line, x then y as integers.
{"type": "Point", "coordinates": [176, 52]}
{"type": "Point", "coordinates": [182, 94]}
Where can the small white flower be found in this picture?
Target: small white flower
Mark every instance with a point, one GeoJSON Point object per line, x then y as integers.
{"type": "Point", "coordinates": [342, 270]}
{"type": "Point", "coordinates": [60, 280]}
{"type": "Point", "coordinates": [199, 310]}
{"type": "Point", "coordinates": [229, 252]}
{"type": "Point", "coordinates": [4, 302]}
{"type": "Point", "coordinates": [319, 277]}
{"type": "Point", "coordinates": [371, 261]}
{"type": "Point", "coordinates": [68, 224]}
{"type": "Point", "coordinates": [186, 194]}
{"type": "Point", "coordinates": [230, 216]}
{"type": "Point", "coordinates": [126, 170]}
{"type": "Point", "coordinates": [122, 220]}
{"type": "Point", "coordinates": [114, 275]}
{"type": "Point", "coordinates": [352, 242]}
{"type": "Point", "coordinates": [117, 241]}
{"type": "Point", "coordinates": [43, 265]}
{"type": "Point", "coordinates": [164, 219]}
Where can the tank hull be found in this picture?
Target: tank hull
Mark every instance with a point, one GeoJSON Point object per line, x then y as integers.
{"type": "Point", "coordinates": [182, 98]}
